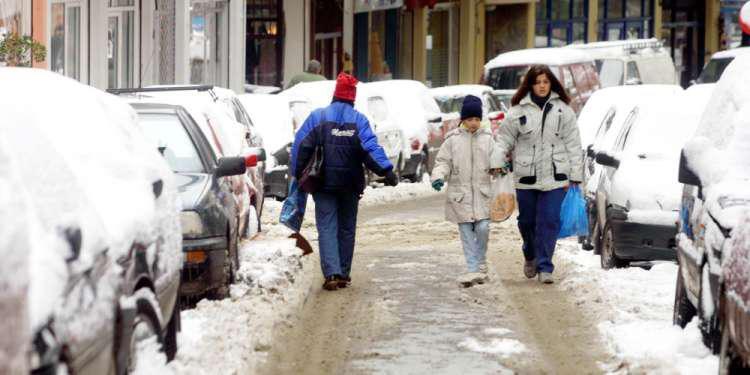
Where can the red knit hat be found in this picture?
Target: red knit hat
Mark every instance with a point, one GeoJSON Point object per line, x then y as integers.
{"type": "Point", "coordinates": [346, 87]}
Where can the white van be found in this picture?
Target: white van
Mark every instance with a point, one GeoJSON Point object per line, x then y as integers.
{"type": "Point", "coordinates": [631, 62]}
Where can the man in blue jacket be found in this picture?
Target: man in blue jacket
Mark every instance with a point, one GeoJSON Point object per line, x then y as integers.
{"type": "Point", "coordinates": [348, 142]}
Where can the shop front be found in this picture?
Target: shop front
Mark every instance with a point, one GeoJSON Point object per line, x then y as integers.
{"type": "Point", "coordinates": [377, 26]}
{"type": "Point", "coordinates": [264, 42]}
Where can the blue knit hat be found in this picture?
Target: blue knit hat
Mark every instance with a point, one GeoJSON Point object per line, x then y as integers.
{"type": "Point", "coordinates": [472, 107]}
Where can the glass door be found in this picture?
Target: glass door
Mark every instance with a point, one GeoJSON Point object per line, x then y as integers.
{"type": "Point", "coordinates": [209, 42]}
{"type": "Point", "coordinates": [67, 39]}
{"type": "Point", "coordinates": [122, 55]}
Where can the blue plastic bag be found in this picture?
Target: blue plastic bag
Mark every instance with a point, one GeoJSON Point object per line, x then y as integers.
{"type": "Point", "coordinates": [574, 222]}
{"type": "Point", "coordinates": [293, 208]}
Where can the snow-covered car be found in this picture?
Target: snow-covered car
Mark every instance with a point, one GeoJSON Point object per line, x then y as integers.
{"type": "Point", "coordinates": [734, 316]}
{"type": "Point", "coordinates": [210, 220]}
{"type": "Point", "coordinates": [451, 98]}
{"type": "Point", "coordinates": [234, 113]}
{"type": "Point", "coordinates": [228, 138]}
{"type": "Point", "coordinates": [715, 173]}
{"type": "Point", "coordinates": [272, 116]}
{"type": "Point", "coordinates": [718, 63]}
{"type": "Point", "coordinates": [599, 124]}
{"type": "Point", "coordinates": [575, 69]}
{"type": "Point", "coordinates": [307, 96]}
{"type": "Point", "coordinates": [631, 62]}
{"type": "Point", "coordinates": [637, 198]}
{"type": "Point", "coordinates": [414, 112]}
{"type": "Point", "coordinates": [97, 237]}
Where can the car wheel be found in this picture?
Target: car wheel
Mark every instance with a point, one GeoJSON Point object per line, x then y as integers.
{"type": "Point", "coordinates": [709, 324]}
{"type": "Point", "coordinates": [222, 291]}
{"type": "Point", "coordinates": [729, 361]}
{"type": "Point", "coordinates": [684, 311]}
{"type": "Point", "coordinates": [608, 258]}
{"type": "Point", "coordinates": [170, 339]}
{"type": "Point", "coordinates": [146, 326]}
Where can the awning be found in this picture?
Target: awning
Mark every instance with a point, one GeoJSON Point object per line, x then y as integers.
{"type": "Point", "coordinates": [362, 6]}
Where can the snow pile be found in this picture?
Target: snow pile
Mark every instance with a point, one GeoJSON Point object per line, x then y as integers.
{"type": "Point", "coordinates": [635, 308]}
{"type": "Point", "coordinates": [409, 104]}
{"type": "Point", "coordinates": [232, 335]}
{"type": "Point", "coordinates": [496, 343]}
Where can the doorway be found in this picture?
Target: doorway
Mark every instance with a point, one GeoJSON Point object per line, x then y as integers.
{"type": "Point", "coordinates": [683, 29]}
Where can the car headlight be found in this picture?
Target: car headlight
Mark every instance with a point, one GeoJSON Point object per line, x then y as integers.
{"type": "Point", "coordinates": [192, 225]}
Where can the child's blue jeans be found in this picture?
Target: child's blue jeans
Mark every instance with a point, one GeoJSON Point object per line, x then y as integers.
{"type": "Point", "coordinates": [474, 237]}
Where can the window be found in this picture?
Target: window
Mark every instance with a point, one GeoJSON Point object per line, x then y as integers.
{"type": "Point", "coordinates": [561, 22]}
{"type": "Point", "coordinates": [633, 75]}
{"type": "Point", "coordinates": [209, 42]}
{"type": "Point", "coordinates": [625, 19]}
{"type": "Point", "coordinates": [122, 55]}
{"type": "Point", "coordinates": [622, 138]}
{"type": "Point", "coordinates": [173, 141]}
{"type": "Point", "coordinates": [264, 42]}
{"type": "Point", "coordinates": [66, 51]}
{"type": "Point", "coordinates": [507, 77]}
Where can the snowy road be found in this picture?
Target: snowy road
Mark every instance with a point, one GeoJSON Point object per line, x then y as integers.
{"type": "Point", "coordinates": [405, 313]}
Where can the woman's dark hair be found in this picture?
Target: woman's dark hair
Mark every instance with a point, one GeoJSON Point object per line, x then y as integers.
{"type": "Point", "coordinates": [530, 78]}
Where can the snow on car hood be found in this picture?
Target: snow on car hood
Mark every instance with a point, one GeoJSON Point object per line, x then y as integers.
{"type": "Point", "coordinates": [83, 164]}
{"type": "Point", "coordinates": [647, 184]}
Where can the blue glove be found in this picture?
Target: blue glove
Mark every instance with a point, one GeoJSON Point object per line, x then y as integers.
{"type": "Point", "coordinates": [438, 184]}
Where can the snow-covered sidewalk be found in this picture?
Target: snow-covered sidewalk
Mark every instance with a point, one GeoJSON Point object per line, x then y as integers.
{"type": "Point", "coordinates": [232, 335]}
{"type": "Point", "coordinates": [634, 310]}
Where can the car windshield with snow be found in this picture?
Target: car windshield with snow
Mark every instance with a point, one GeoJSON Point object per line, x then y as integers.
{"type": "Point", "coordinates": [102, 258]}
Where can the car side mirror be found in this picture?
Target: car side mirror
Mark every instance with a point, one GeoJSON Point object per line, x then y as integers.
{"type": "Point", "coordinates": [607, 160]}
{"type": "Point", "coordinates": [74, 238]}
{"type": "Point", "coordinates": [435, 119]}
{"type": "Point", "coordinates": [260, 152]}
{"type": "Point", "coordinates": [686, 175]}
{"type": "Point", "coordinates": [590, 151]}
{"type": "Point", "coordinates": [230, 166]}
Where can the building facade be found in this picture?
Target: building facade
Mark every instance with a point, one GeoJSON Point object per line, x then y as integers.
{"type": "Point", "coordinates": [130, 43]}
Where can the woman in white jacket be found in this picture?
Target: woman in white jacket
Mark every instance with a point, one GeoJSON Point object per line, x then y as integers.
{"type": "Point", "coordinates": [541, 133]}
{"type": "Point", "coordinates": [464, 161]}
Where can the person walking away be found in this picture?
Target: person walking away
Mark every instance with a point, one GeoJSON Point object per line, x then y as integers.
{"type": "Point", "coordinates": [348, 142]}
{"type": "Point", "coordinates": [464, 161]}
{"type": "Point", "coordinates": [311, 74]}
{"type": "Point", "coordinates": [541, 132]}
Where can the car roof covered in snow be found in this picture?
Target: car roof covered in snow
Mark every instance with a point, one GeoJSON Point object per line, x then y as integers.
{"type": "Point", "coordinates": [409, 102]}
{"type": "Point", "coordinates": [618, 97]}
{"type": "Point", "coordinates": [553, 56]}
{"type": "Point", "coordinates": [459, 91]}
{"type": "Point", "coordinates": [731, 53]}
{"type": "Point", "coordinates": [272, 117]}
{"type": "Point", "coordinates": [84, 165]}
{"type": "Point", "coordinates": [621, 48]}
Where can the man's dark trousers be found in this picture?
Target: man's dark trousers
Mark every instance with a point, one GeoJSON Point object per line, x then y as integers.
{"type": "Point", "coordinates": [336, 216]}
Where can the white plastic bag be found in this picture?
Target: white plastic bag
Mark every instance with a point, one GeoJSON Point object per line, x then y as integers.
{"type": "Point", "coordinates": [503, 201]}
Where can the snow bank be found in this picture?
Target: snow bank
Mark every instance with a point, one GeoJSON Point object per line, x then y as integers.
{"type": "Point", "coordinates": [231, 336]}
{"type": "Point", "coordinates": [634, 307]}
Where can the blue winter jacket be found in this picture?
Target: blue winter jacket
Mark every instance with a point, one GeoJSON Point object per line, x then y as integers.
{"type": "Point", "coordinates": [348, 142]}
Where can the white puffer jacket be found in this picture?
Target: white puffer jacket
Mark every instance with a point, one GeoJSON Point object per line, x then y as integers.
{"type": "Point", "coordinates": [464, 161]}
{"type": "Point", "coordinates": [545, 157]}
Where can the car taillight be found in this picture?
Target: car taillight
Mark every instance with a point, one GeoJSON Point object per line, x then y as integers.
{"type": "Point", "coordinates": [415, 144]}
{"type": "Point", "coordinates": [500, 116]}
{"type": "Point", "coordinates": [251, 160]}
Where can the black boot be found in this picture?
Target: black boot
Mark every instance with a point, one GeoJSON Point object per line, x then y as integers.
{"type": "Point", "coordinates": [331, 283]}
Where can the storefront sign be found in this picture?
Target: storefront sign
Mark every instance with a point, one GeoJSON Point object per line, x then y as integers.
{"type": "Point", "coordinates": [361, 6]}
